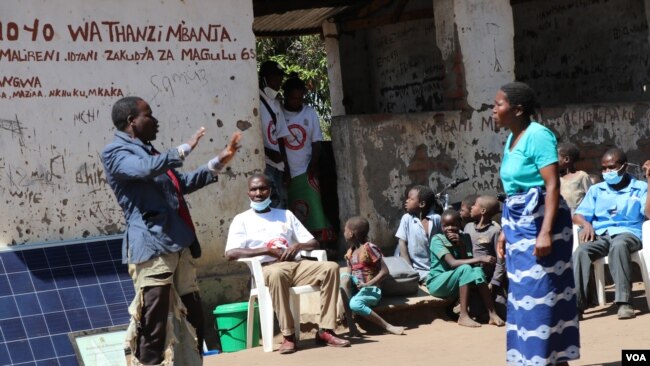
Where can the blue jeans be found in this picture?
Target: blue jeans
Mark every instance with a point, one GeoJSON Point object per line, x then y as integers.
{"type": "Point", "coordinates": [364, 298]}
{"type": "Point", "coordinates": [278, 191]}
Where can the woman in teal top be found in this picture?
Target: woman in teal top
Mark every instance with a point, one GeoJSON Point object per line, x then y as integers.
{"type": "Point", "coordinates": [542, 320]}
{"type": "Point", "coordinates": [522, 163]}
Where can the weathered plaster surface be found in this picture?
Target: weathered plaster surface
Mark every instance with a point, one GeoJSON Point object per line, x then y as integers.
{"type": "Point", "coordinates": [390, 153]}
{"type": "Point", "coordinates": [583, 51]}
{"type": "Point", "coordinates": [443, 12]}
{"type": "Point", "coordinates": [395, 68]}
{"type": "Point", "coordinates": [52, 183]}
{"type": "Point", "coordinates": [485, 34]}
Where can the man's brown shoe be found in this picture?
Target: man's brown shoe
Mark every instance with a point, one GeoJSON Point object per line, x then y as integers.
{"type": "Point", "coordinates": [328, 338]}
{"type": "Point", "coordinates": [288, 345]}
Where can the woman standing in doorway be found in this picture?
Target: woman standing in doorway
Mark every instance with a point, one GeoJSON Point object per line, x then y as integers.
{"type": "Point", "coordinates": [542, 322]}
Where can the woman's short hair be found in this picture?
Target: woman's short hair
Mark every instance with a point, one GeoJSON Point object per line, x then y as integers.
{"type": "Point", "coordinates": [519, 93]}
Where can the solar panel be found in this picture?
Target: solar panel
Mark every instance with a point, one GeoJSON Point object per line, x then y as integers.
{"type": "Point", "coordinates": [48, 291]}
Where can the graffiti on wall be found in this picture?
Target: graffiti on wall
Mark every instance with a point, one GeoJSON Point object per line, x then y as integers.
{"type": "Point", "coordinates": [406, 67]}
{"type": "Point", "coordinates": [64, 67]}
{"type": "Point", "coordinates": [583, 51]}
{"type": "Point", "coordinates": [398, 151]}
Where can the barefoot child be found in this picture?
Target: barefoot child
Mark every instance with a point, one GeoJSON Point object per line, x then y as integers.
{"type": "Point", "coordinates": [452, 273]}
{"type": "Point", "coordinates": [484, 233]}
{"type": "Point", "coordinates": [366, 270]}
{"type": "Point", "coordinates": [573, 184]}
{"type": "Point", "coordinates": [416, 228]}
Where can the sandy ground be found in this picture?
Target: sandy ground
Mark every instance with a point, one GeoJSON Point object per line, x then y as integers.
{"type": "Point", "coordinates": [443, 342]}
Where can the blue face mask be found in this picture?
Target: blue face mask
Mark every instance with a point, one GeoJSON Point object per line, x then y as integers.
{"type": "Point", "coordinates": [612, 178]}
{"type": "Point", "coordinates": [261, 206]}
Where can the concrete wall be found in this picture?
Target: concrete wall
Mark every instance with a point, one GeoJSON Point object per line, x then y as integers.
{"type": "Point", "coordinates": [395, 68]}
{"type": "Point", "coordinates": [574, 53]}
{"type": "Point", "coordinates": [484, 30]}
{"type": "Point", "coordinates": [355, 71]}
{"type": "Point", "coordinates": [406, 69]}
{"type": "Point", "coordinates": [52, 129]}
{"type": "Point", "coordinates": [583, 51]}
{"type": "Point", "coordinates": [451, 61]}
{"type": "Point", "coordinates": [393, 152]}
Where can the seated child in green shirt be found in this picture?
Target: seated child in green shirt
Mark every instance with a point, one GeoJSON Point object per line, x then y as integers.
{"type": "Point", "coordinates": [452, 273]}
{"type": "Point", "coordinates": [366, 269]}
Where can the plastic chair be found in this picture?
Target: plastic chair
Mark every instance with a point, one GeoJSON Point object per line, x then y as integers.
{"type": "Point", "coordinates": [260, 291]}
{"type": "Point", "coordinates": [640, 257]}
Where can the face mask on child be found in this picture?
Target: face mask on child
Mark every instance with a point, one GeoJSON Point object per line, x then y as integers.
{"type": "Point", "coordinates": [612, 178]}
{"type": "Point", "coordinates": [261, 206]}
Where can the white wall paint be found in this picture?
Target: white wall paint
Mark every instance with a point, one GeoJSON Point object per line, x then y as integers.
{"type": "Point", "coordinates": [443, 12]}
{"type": "Point", "coordinates": [485, 34]}
{"type": "Point", "coordinates": [331, 34]}
{"type": "Point", "coordinates": [52, 184]}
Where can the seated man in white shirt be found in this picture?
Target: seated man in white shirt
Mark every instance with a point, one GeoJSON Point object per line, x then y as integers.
{"type": "Point", "coordinates": [276, 236]}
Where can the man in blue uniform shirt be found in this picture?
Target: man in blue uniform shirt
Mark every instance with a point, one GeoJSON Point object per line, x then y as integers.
{"type": "Point", "coordinates": [611, 216]}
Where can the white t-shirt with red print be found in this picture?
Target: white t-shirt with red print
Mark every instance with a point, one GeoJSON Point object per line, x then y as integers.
{"type": "Point", "coordinates": [276, 228]}
{"type": "Point", "coordinates": [272, 132]}
{"type": "Point", "coordinates": [304, 128]}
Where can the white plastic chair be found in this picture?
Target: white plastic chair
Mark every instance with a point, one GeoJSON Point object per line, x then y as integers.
{"type": "Point", "coordinates": [640, 257]}
{"type": "Point", "coordinates": [260, 291]}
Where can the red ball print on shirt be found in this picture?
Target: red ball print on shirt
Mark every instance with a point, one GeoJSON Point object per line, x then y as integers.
{"type": "Point", "coordinates": [280, 243]}
{"type": "Point", "coordinates": [299, 137]}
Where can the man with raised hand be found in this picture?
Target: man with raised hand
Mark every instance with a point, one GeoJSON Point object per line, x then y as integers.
{"type": "Point", "coordinates": [160, 243]}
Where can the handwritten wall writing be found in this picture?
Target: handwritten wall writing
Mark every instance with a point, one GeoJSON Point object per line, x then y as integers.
{"type": "Point", "coordinates": [406, 67]}
{"type": "Point", "coordinates": [62, 68]}
{"type": "Point", "coordinates": [116, 31]}
{"type": "Point", "coordinates": [581, 51]}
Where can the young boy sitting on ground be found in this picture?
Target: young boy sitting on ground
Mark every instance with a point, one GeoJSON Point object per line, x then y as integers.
{"type": "Point", "coordinates": [416, 228]}
{"type": "Point", "coordinates": [366, 270]}
{"type": "Point", "coordinates": [452, 273]}
{"type": "Point", "coordinates": [484, 233]}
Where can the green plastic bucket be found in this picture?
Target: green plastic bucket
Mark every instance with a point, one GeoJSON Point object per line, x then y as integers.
{"type": "Point", "coordinates": [230, 323]}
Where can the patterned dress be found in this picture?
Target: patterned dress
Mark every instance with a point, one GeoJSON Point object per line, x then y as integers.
{"type": "Point", "coordinates": [542, 325]}
{"type": "Point", "coordinates": [542, 322]}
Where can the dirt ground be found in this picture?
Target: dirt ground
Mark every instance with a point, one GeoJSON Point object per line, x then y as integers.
{"type": "Point", "coordinates": [443, 342]}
